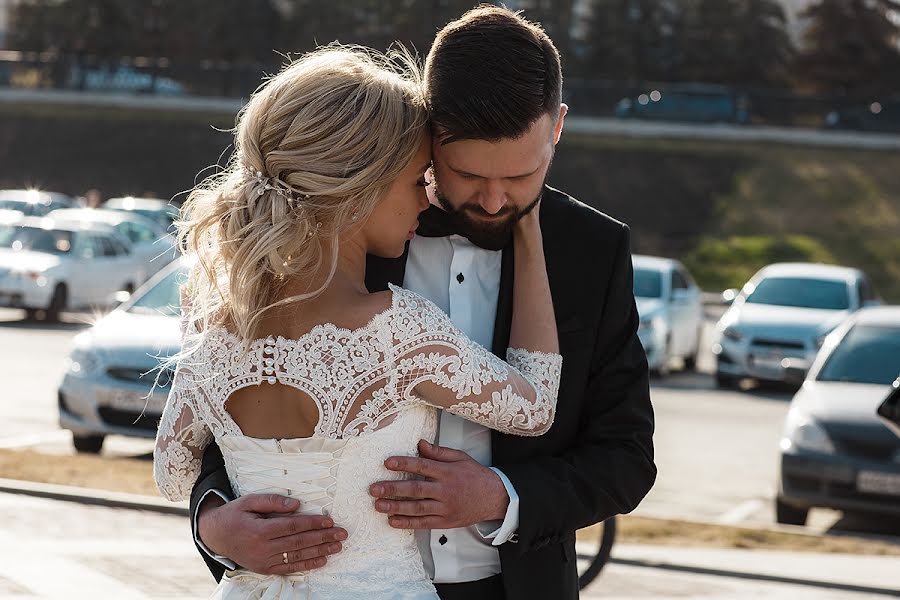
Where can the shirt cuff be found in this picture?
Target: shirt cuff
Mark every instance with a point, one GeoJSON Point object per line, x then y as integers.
{"type": "Point", "coordinates": [222, 560]}
{"type": "Point", "coordinates": [501, 532]}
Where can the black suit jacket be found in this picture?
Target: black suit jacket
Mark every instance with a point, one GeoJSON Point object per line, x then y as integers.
{"type": "Point", "coordinates": [597, 459]}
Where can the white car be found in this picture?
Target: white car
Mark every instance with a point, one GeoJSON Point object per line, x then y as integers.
{"type": "Point", "coordinates": [782, 315]}
{"type": "Point", "coordinates": [111, 384]}
{"type": "Point", "coordinates": [670, 306]}
{"type": "Point", "coordinates": [835, 452]}
{"type": "Point", "coordinates": [34, 203]}
{"type": "Point", "coordinates": [51, 266]}
{"type": "Point", "coordinates": [149, 240]}
{"type": "Point", "coordinates": [153, 208]}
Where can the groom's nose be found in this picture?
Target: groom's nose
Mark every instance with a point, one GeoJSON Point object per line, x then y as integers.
{"type": "Point", "coordinates": [493, 196]}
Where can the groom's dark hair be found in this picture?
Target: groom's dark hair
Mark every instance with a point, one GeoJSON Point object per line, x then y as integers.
{"type": "Point", "coordinates": [490, 75]}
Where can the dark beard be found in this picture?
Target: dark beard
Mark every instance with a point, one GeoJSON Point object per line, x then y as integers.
{"type": "Point", "coordinates": [495, 234]}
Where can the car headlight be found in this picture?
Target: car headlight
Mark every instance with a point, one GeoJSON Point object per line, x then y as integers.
{"type": "Point", "coordinates": [649, 324]}
{"type": "Point", "coordinates": [82, 361]}
{"type": "Point", "coordinates": [806, 433]}
{"type": "Point", "coordinates": [732, 333]}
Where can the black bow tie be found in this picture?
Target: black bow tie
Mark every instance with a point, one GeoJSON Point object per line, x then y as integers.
{"type": "Point", "coordinates": [435, 222]}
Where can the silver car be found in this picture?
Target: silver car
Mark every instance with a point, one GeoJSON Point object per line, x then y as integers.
{"type": "Point", "coordinates": [670, 306]}
{"type": "Point", "coordinates": [835, 452]}
{"type": "Point", "coordinates": [112, 367]}
{"type": "Point", "coordinates": [781, 317]}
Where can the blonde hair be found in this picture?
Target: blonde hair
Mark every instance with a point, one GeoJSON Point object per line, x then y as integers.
{"type": "Point", "coordinates": [333, 130]}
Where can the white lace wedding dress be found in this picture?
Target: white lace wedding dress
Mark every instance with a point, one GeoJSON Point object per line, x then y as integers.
{"type": "Point", "coordinates": [376, 389]}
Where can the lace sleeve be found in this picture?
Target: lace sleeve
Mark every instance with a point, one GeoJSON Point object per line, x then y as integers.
{"type": "Point", "coordinates": [436, 363]}
{"type": "Point", "coordinates": [181, 439]}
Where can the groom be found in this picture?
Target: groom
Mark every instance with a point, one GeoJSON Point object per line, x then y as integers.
{"type": "Point", "coordinates": [496, 515]}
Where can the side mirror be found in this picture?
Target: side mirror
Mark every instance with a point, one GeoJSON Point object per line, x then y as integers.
{"type": "Point", "coordinates": [889, 411]}
{"type": "Point", "coordinates": [729, 295]}
{"type": "Point", "coordinates": [121, 296]}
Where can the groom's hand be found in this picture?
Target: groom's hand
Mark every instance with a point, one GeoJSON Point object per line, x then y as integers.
{"type": "Point", "coordinates": [255, 530]}
{"type": "Point", "coordinates": [457, 491]}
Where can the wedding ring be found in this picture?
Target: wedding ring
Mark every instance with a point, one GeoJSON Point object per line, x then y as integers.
{"type": "Point", "coordinates": [284, 557]}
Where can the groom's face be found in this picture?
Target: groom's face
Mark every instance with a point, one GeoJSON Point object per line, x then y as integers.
{"type": "Point", "coordinates": [489, 185]}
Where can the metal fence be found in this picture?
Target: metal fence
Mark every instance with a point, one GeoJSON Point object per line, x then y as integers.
{"type": "Point", "coordinates": [220, 79]}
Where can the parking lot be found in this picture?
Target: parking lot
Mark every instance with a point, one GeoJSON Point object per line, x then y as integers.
{"type": "Point", "coordinates": [717, 450]}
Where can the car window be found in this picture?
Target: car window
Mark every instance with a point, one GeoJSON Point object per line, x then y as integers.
{"type": "Point", "coordinates": [106, 246]}
{"type": "Point", "coordinates": [865, 290]}
{"type": "Point", "coordinates": [647, 283]}
{"type": "Point", "coordinates": [120, 246]}
{"type": "Point", "coordinates": [867, 354]}
{"type": "Point", "coordinates": [678, 281]}
{"type": "Point", "coordinates": [36, 239]}
{"type": "Point", "coordinates": [801, 292]}
{"type": "Point", "coordinates": [136, 232]}
{"type": "Point", "coordinates": [162, 298]}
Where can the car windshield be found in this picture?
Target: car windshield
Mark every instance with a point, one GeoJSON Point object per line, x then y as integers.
{"type": "Point", "coordinates": [801, 292]}
{"type": "Point", "coordinates": [162, 298]}
{"type": "Point", "coordinates": [867, 354]}
{"type": "Point", "coordinates": [36, 239]}
{"type": "Point", "coordinates": [647, 283]}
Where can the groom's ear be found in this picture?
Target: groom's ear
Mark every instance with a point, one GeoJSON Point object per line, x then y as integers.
{"type": "Point", "coordinates": [557, 131]}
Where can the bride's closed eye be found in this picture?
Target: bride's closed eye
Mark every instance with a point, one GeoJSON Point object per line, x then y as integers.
{"type": "Point", "coordinates": [422, 183]}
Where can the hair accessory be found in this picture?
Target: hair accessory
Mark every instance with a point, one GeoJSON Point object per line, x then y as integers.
{"type": "Point", "coordinates": [265, 184]}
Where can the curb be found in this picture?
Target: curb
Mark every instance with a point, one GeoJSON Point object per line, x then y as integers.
{"type": "Point", "coordinates": [97, 497]}
{"type": "Point", "coordinates": [93, 496]}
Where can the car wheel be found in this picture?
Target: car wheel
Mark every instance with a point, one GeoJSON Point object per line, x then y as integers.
{"type": "Point", "coordinates": [88, 444]}
{"type": "Point", "coordinates": [788, 514]}
{"type": "Point", "coordinates": [690, 362]}
{"type": "Point", "coordinates": [57, 302]}
{"type": "Point", "coordinates": [725, 381]}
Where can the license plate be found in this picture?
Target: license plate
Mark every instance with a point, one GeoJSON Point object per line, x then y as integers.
{"type": "Point", "coordinates": [768, 361]}
{"type": "Point", "coordinates": [875, 482]}
{"type": "Point", "coordinates": [136, 402]}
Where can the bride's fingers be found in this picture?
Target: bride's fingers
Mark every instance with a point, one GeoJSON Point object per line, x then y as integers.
{"type": "Point", "coordinates": [411, 508]}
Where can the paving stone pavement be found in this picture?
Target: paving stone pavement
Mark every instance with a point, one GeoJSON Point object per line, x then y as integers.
{"type": "Point", "coordinates": [52, 549]}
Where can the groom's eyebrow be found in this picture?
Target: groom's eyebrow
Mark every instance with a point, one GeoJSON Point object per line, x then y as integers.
{"type": "Point", "coordinates": [467, 174]}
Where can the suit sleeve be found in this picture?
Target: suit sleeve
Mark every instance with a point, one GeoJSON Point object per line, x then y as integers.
{"type": "Point", "coordinates": [213, 478]}
{"type": "Point", "coordinates": [609, 468]}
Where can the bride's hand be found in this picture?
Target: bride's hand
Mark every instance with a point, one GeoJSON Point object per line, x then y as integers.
{"type": "Point", "coordinates": [527, 230]}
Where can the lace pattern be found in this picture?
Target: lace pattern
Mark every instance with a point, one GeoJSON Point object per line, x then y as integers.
{"type": "Point", "coordinates": [376, 389]}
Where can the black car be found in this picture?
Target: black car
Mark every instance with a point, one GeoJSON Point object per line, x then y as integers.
{"type": "Point", "coordinates": [875, 116]}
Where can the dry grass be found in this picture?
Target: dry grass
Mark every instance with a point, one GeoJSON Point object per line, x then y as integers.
{"type": "Point", "coordinates": [639, 530]}
{"type": "Point", "coordinates": [131, 475]}
{"type": "Point", "coordinates": [135, 476]}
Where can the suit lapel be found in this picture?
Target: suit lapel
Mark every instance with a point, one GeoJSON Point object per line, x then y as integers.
{"type": "Point", "coordinates": [381, 271]}
{"type": "Point", "coordinates": [503, 318]}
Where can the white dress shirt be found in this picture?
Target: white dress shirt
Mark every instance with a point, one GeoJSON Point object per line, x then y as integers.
{"type": "Point", "coordinates": [464, 281]}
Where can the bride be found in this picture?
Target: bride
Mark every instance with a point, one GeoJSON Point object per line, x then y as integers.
{"type": "Point", "coordinates": [305, 380]}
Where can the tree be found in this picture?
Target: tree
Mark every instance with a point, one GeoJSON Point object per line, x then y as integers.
{"type": "Point", "coordinates": [632, 40]}
{"type": "Point", "coordinates": [851, 47]}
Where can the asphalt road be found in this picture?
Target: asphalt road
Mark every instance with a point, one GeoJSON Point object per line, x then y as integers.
{"type": "Point", "coordinates": [717, 451]}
